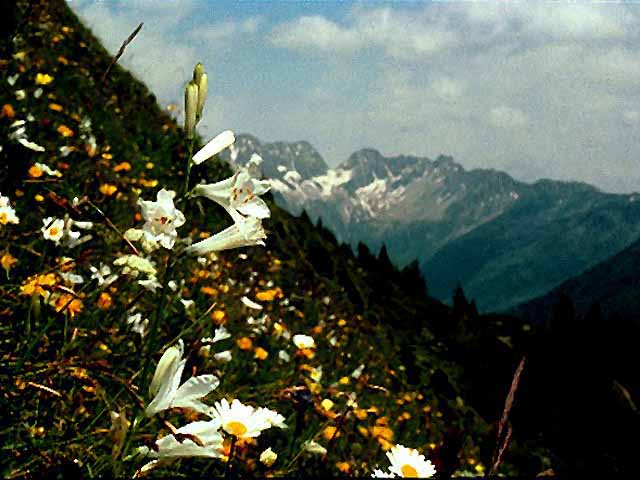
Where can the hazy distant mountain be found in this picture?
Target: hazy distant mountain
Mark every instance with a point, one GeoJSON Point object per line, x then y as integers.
{"type": "Point", "coordinates": [613, 285]}
{"type": "Point", "coordinates": [505, 241]}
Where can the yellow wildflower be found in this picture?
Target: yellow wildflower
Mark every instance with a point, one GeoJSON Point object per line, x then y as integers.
{"type": "Point", "coordinates": [107, 189]}
{"type": "Point", "coordinates": [43, 79]}
{"type": "Point", "coordinates": [55, 107]}
{"type": "Point", "coordinates": [219, 317]}
{"type": "Point", "coordinates": [344, 467]}
{"type": "Point", "coordinates": [35, 284]}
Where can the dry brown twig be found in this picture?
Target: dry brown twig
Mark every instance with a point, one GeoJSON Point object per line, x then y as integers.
{"type": "Point", "coordinates": [121, 51]}
{"type": "Point", "coordinates": [503, 443]}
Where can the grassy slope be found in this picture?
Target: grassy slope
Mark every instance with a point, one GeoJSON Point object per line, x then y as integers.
{"type": "Point", "coordinates": [61, 376]}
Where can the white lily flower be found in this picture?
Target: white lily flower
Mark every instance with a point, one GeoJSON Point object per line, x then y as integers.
{"type": "Point", "coordinates": [238, 194]}
{"type": "Point", "coordinates": [166, 387]}
{"type": "Point", "coordinates": [244, 233]}
{"type": "Point", "coordinates": [161, 218]}
{"type": "Point", "coordinates": [196, 439]}
{"type": "Point", "coordinates": [7, 213]}
{"type": "Point", "coordinates": [215, 146]}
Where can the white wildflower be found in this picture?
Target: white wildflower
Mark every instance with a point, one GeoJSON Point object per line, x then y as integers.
{"type": "Point", "coordinates": [238, 195]}
{"type": "Point", "coordinates": [213, 147]}
{"type": "Point", "coordinates": [250, 304]}
{"type": "Point", "coordinates": [161, 218]}
{"type": "Point", "coordinates": [196, 439]}
{"type": "Point", "coordinates": [303, 341]}
{"type": "Point", "coordinates": [7, 213]}
{"type": "Point", "coordinates": [243, 233]}
{"type": "Point", "coordinates": [268, 457]}
{"type": "Point", "coordinates": [166, 387]}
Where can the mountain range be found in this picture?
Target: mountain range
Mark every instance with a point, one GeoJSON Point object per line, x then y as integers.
{"type": "Point", "coordinates": [503, 240]}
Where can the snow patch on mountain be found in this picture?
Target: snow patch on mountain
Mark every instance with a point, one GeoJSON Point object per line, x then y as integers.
{"type": "Point", "coordinates": [333, 179]}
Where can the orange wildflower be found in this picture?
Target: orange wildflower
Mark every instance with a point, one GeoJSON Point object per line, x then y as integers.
{"type": "Point", "coordinates": [55, 107]}
{"type": "Point", "coordinates": [7, 261]}
{"type": "Point", "coordinates": [104, 301]}
{"type": "Point", "coordinates": [244, 343]}
{"type": "Point", "coordinates": [35, 171]}
{"type": "Point", "coordinates": [122, 167]}
{"type": "Point", "coordinates": [7, 111]}
{"type": "Point", "coordinates": [65, 131]}
{"type": "Point", "coordinates": [261, 353]}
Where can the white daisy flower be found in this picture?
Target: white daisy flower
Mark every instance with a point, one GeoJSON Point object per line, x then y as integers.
{"type": "Point", "coordinates": [273, 417]}
{"type": "Point", "coordinates": [241, 420]}
{"type": "Point", "coordinates": [161, 218]}
{"type": "Point", "coordinates": [7, 213]}
{"type": "Point", "coordinates": [53, 229]}
{"type": "Point", "coordinates": [377, 473]}
{"type": "Point", "coordinates": [409, 463]}
{"type": "Point", "coordinates": [244, 233]}
{"type": "Point", "coordinates": [166, 387]}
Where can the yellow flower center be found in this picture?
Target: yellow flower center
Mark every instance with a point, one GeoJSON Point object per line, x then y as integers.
{"type": "Point", "coordinates": [4, 219]}
{"type": "Point", "coordinates": [236, 428]}
{"type": "Point", "coordinates": [53, 231]}
{"type": "Point", "coordinates": [408, 471]}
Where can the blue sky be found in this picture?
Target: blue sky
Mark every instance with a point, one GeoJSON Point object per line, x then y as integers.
{"type": "Point", "coordinates": [535, 89]}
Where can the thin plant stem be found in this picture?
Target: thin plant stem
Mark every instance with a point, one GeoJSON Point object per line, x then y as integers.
{"type": "Point", "coordinates": [232, 452]}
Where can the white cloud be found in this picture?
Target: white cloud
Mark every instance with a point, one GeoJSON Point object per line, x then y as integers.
{"type": "Point", "coordinates": [507, 117]}
{"type": "Point", "coordinates": [400, 35]}
{"type": "Point", "coordinates": [315, 32]}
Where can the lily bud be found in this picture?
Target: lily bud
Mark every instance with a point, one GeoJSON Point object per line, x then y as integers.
{"type": "Point", "coordinates": [190, 108]}
{"type": "Point", "coordinates": [198, 71]}
{"type": "Point", "coordinates": [203, 88]}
